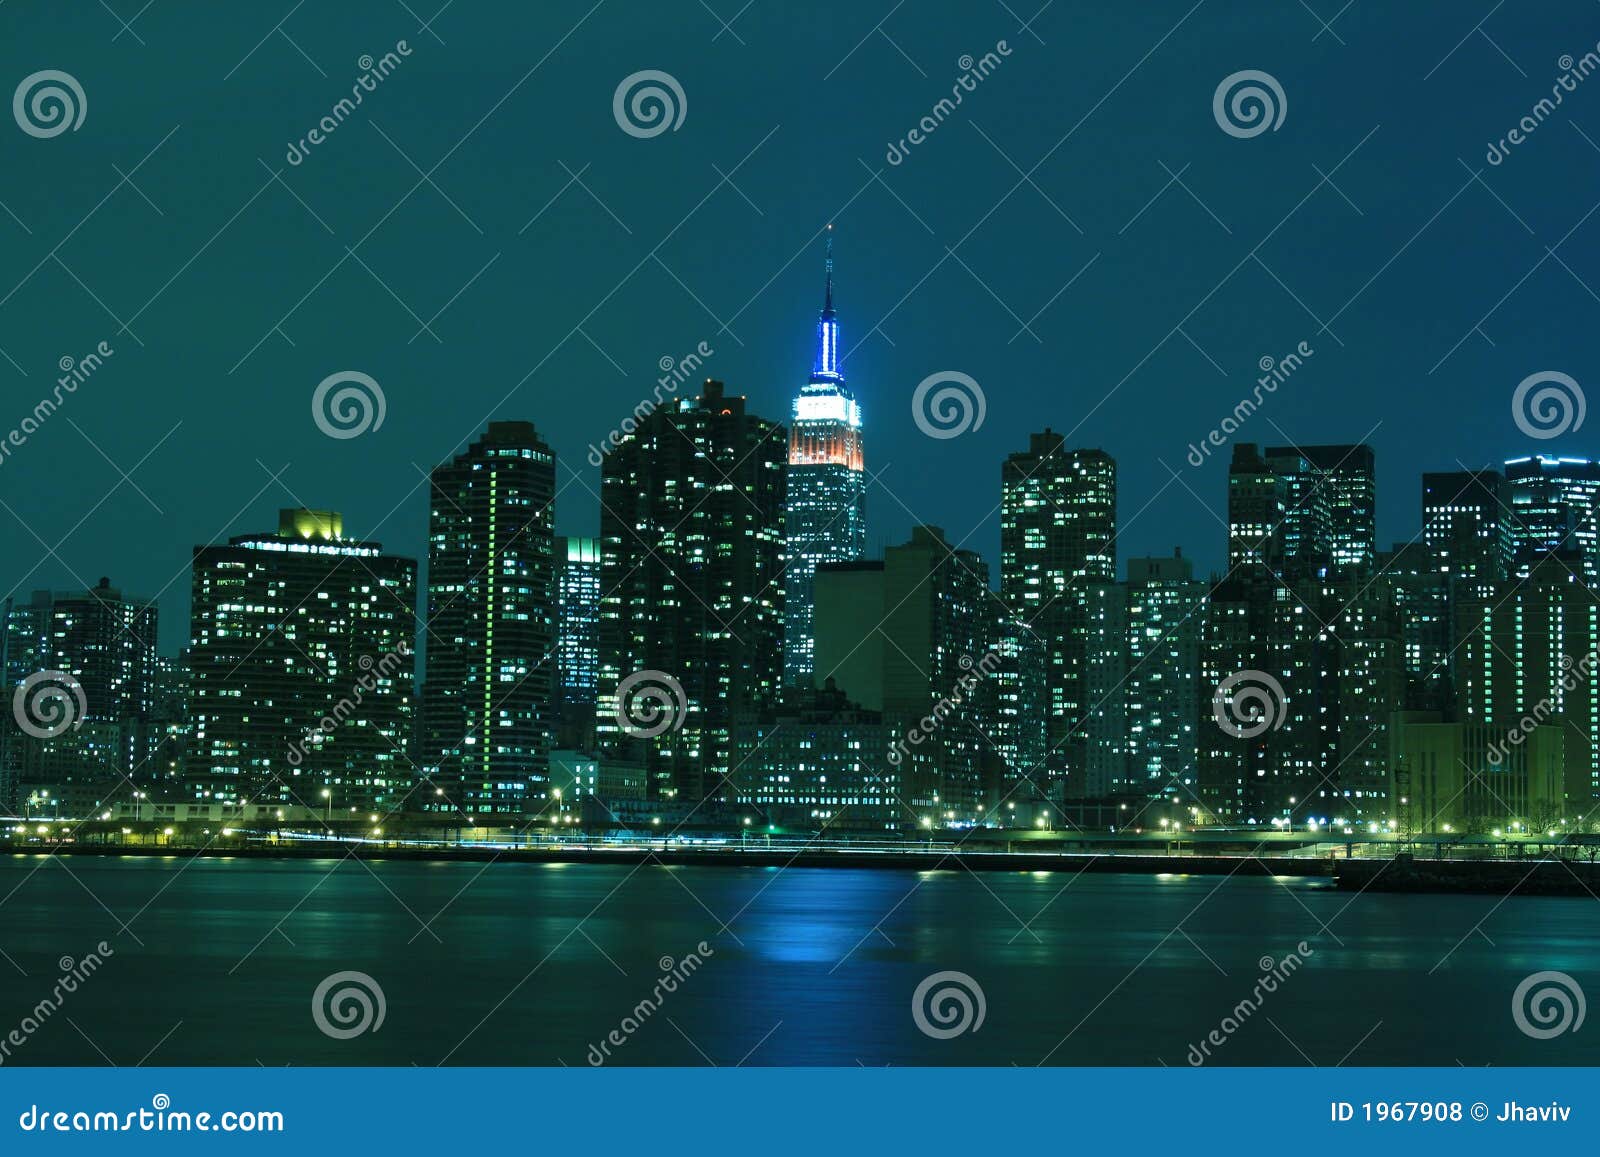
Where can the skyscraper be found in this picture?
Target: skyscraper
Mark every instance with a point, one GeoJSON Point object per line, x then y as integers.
{"type": "Point", "coordinates": [1333, 496]}
{"type": "Point", "coordinates": [1466, 524]}
{"type": "Point", "coordinates": [577, 565]}
{"type": "Point", "coordinates": [691, 541]}
{"type": "Point", "coordinates": [302, 669]}
{"type": "Point", "coordinates": [1058, 527]}
{"type": "Point", "coordinates": [1554, 506]}
{"type": "Point", "coordinates": [491, 657]}
{"type": "Point", "coordinates": [825, 516]}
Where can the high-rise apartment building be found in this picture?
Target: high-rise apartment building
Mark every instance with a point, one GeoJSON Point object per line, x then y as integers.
{"type": "Point", "coordinates": [577, 626]}
{"type": "Point", "coordinates": [491, 661]}
{"type": "Point", "coordinates": [302, 669]}
{"type": "Point", "coordinates": [692, 574]}
{"type": "Point", "coordinates": [1058, 527]}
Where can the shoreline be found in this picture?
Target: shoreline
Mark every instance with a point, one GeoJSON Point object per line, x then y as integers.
{"type": "Point", "coordinates": [1403, 873]}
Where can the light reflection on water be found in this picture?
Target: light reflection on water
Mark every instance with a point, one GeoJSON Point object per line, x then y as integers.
{"type": "Point", "coordinates": [530, 964]}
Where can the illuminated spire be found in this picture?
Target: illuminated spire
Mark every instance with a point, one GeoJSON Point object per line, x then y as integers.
{"type": "Point", "coordinates": [826, 365]}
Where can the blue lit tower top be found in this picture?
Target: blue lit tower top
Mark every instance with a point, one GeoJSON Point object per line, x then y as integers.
{"type": "Point", "coordinates": [827, 418]}
{"type": "Point", "coordinates": [826, 366]}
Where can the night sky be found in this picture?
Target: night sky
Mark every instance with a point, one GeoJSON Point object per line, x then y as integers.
{"type": "Point", "coordinates": [557, 259]}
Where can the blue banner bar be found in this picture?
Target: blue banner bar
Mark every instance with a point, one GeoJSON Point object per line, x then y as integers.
{"type": "Point", "coordinates": [780, 1111]}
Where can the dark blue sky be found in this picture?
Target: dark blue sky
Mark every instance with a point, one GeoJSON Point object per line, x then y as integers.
{"type": "Point", "coordinates": [578, 288]}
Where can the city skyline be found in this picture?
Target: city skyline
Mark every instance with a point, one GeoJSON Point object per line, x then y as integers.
{"type": "Point", "coordinates": [1097, 362]}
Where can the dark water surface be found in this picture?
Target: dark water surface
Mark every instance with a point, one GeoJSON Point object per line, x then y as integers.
{"type": "Point", "coordinates": [532, 964]}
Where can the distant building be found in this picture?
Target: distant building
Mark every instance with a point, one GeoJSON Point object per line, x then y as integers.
{"type": "Point", "coordinates": [911, 637]}
{"type": "Point", "coordinates": [1529, 649]}
{"type": "Point", "coordinates": [577, 626]}
{"type": "Point", "coordinates": [692, 573]}
{"type": "Point", "coordinates": [1462, 778]}
{"type": "Point", "coordinates": [1058, 528]}
{"type": "Point", "coordinates": [491, 661]}
{"type": "Point", "coordinates": [1466, 523]}
{"type": "Point", "coordinates": [1554, 504]}
{"type": "Point", "coordinates": [819, 761]}
{"type": "Point", "coordinates": [104, 642]}
{"type": "Point", "coordinates": [1164, 704]}
{"type": "Point", "coordinates": [825, 513]}
{"type": "Point", "coordinates": [301, 667]}
{"type": "Point", "coordinates": [1332, 495]}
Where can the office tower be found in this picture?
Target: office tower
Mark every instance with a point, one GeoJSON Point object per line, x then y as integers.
{"type": "Point", "coordinates": [1554, 504]}
{"type": "Point", "coordinates": [491, 640]}
{"type": "Point", "coordinates": [818, 761]}
{"type": "Point", "coordinates": [105, 643]}
{"type": "Point", "coordinates": [301, 669]}
{"type": "Point", "coordinates": [1466, 524]}
{"type": "Point", "coordinates": [1420, 593]}
{"type": "Point", "coordinates": [692, 574]}
{"type": "Point", "coordinates": [1365, 634]}
{"type": "Point", "coordinates": [1273, 757]}
{"type": "Point", "coordinates": [910, 637]}
{"type": "Point", "coordinates": [1257, 505]}
{"type": "Point", "coordinates": [825, 516]}
{"type": "Point", "coordinates": [1019, 725]}
{"type": "Point", "coordinates": [1105, 719]}
{"type": "Point", "coordinates": [1332, 493]}
{"type": "Point", "coordinates": [1528, 649]}
{"type": "Point", "coordinates": [1165, 610]}
{"type": "Point", "coordinates": [1058, 527]}
{"type": "Point", "coordinates": [577, 583]}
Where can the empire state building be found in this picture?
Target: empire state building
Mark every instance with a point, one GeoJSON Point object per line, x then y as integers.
{"type": "Point", "coordinates": [825, 520]}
